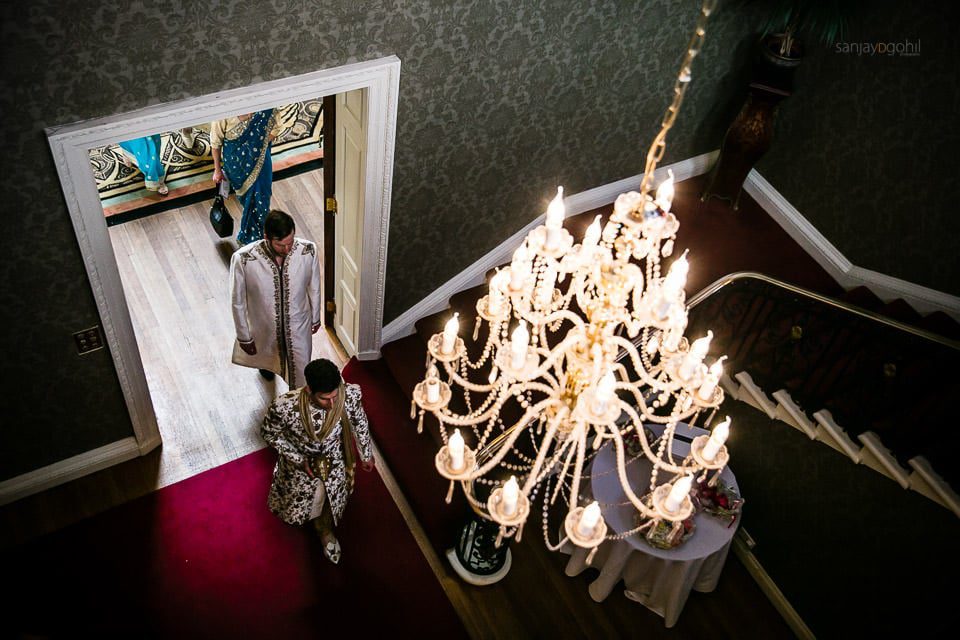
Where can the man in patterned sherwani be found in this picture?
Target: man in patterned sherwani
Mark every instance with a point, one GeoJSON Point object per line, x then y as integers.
{"type": "Point", "coordinates": [315, 429]}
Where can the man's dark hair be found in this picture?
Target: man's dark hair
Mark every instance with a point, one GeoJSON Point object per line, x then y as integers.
{"type": "Point", "coordinates": [278, 225]}
{"type": "Point", "coordinates": [322, 376]}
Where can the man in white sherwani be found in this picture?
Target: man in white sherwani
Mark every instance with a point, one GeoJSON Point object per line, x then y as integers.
{"type": "Point", "coordinates": [275, 292]}
{"type": "Point", "coordinates": [316, 431]}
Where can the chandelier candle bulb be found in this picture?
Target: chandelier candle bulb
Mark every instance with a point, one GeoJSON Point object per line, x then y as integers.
{"type": "Point", "coordinates": [672, 342]}
{"type": "Point", "coordinates": [664, 197]}
{"type": "Point", "coordinates": [588, 520]}
{"type": "Point", "coordinates": [677, 276]}
{"type": "Point", "coordinates": [455, 447]}
{"type": "Point", "coordinates": [554, 222]}
{"type": "Point", "coordinates": [678, 492]}
{"type": "Point", "coordinates": [545, 292]}
{"type": "Point", "coordinates": [717, 438]}
{"type": "Point", "coordinates": [433, 385]}
{"type": "Point", "coordinates": [519, 267]}
{"type": "Point", "coordinates": [590, 238]}
{"type": "Point", "coordinates": [711, 380]}
{"type": "Point", "coordinates": [511, 493]}
{"type": "Point", "coordinates": [495, 301]}
{"type": "Point", "coordinates": [450, 334]}
{"type": "Point", "coordinates": [698, 351]}
{"type": "Point", "coordinates": [518, 346]}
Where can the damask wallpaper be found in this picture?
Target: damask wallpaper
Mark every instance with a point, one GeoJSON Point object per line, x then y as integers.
{"type": "Point", "coordinates": [500, 101]}
{"type": "Point", "coordinates": [866, 146]}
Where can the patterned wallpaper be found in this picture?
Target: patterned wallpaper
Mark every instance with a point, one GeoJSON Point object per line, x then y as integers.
{"type": "Point", "coordinates": [500, 101]}
{"type": "Point", "coordinates": [866, 147]}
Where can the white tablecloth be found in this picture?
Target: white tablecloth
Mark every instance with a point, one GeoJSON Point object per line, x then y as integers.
{"type": "Point", "coordinates": [659, 579]}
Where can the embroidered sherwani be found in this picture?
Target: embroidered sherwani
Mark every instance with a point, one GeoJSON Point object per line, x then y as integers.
{"type": "Point", "coordinates": [295, 497]}
{"type": "Point", "coordinates": [276, 307]}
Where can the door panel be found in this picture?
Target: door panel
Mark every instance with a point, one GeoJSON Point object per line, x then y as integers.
{"type": "Point", "coordinates": [351, 158]}
{"type": "Point", "coordinates": [329, 196]}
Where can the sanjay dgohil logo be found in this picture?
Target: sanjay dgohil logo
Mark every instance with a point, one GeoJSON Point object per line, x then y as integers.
{"type": "Point", "coordinates": [899, 48]}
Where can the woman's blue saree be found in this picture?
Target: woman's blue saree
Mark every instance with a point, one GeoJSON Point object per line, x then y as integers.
{"type": "Point", "coordinates": [247, 164]}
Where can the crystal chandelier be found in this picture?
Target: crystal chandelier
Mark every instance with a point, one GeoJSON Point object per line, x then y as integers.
{"type": "Point", "coordinates": [584, 345]}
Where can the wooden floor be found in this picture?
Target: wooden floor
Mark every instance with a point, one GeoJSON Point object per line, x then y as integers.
{"type": "Point", "coordinates": [175, 276]}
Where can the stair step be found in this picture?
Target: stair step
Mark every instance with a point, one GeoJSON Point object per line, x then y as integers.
{"type": "Point", "coordinates": [863, 297]}
{"type": "Point", "coordinates": [410, 456]}
{"type": "Point", "coordinates": [940, 323]}
{"type": "Point", "coordinates": [434, 323]}
{"type": "Point", "coordinates": [901, 310]}
{"type": "Point", "coordinates": [405, 359]}
{"type": "Point", "coordinates": [466, 301]}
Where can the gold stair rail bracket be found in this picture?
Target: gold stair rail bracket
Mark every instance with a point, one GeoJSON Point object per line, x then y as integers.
{"type": "Point", "coordinates": [789, 413]}
{"type": "Point", "coordinates": [926, 481]}
{"type": "Point", "coordinates": [754, 395]}
{"type": "Point", "coordinates": [878, 457]}
{"type": "Point", "coordinates": [832, 434]}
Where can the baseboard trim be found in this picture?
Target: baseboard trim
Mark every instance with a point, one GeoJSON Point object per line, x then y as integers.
{"type": "Point", "coordinates": [577, 203]}
{"type": "Point", "coordinates": [847, 274]}
{"type": "Point", "coordinates": [66, 470]}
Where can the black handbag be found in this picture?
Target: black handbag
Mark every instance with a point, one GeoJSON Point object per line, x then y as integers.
{"type": "Point", "coordinates": [220, 218]}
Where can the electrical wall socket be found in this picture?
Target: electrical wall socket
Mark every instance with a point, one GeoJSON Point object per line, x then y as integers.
{"type": "Point", "coordinates": [88, 340]}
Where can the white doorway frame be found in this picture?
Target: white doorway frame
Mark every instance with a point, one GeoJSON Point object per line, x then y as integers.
{"type": "Point", "coordinates": [70, 145]}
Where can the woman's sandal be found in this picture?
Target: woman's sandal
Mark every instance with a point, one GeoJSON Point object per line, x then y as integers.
{"type": "Point", "coordinates": [332, 551]}
{"type": "Point", "coordinates": [163, 189]}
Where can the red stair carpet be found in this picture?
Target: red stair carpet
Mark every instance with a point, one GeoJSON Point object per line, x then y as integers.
{"type": "Point", "coordinates": [204, 558]}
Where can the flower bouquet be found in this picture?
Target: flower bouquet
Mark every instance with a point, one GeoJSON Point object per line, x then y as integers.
{"type": "Point", "coordinates": [669, 535]}
{"type": "Point", "coordinates": [631, 442]}
{"type": "Point", "coordinates": [720, 500]}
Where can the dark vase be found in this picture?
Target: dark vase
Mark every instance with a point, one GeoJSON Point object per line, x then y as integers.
{"type": "Point", "coordinates": [748, 137]}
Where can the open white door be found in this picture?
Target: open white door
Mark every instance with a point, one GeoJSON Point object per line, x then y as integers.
{"type": "Point", "coordinates": [351, 144]}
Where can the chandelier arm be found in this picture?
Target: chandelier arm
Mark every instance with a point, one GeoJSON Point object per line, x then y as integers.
{"type": "Point", "coordinates": [624, 482]}
{"type": "Point", "coordinates": [559, 314]}
{"type": "Point", "coordinates": [458, 420]}
{"type": "Point", "coordinates": [653, 417]}
{"type": "Point", "coordinates": [558, 352]}
{"type": "Point", "coordinates": [627, 346]}
{"type": "Point", "coordinates": [514, 432]}
{"type": "Point", "coordinates": [486, 348]}
{"type": "Point", "coordinates": [541, 455]}
{"type": "Point", "coordinates": [463, 382]}
{"type": "Point", "coordinates": [563, 474]}
{"type": "Point", "coordinates": [648, 452]}
{"type": "Point", "coordinates": [578, 467]}
{"type": "Point", "coordinates": [545, 471]}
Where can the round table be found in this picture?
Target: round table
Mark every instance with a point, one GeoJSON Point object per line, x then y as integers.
{"type": "Point", "coordinates": [661, 579]}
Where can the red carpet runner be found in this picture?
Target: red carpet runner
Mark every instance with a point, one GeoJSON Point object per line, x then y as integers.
{"type": "Point", "coordinates": [205, 558]}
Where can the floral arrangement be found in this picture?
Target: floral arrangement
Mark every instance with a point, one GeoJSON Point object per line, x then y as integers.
{"type": "Point", "coordinates": [720, 500]}
{"type": "Point", "coordinates": [669, 535]}
{"type": "Point", "coordinates": [631, 441]}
